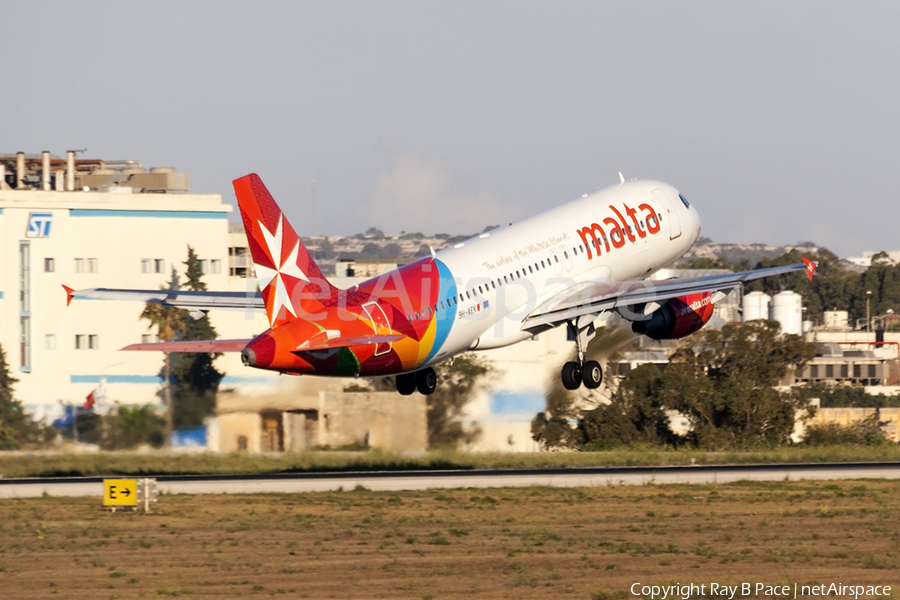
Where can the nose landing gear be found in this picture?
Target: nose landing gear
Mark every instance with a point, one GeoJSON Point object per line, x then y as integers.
{"type": "Point", "coordinates": [574, 373]}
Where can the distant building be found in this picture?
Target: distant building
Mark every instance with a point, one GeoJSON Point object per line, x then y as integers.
{"type": "Point", "coordinates": [866, 259]}
{"type": "Point", "coordinates": [98, 223]}
{"type": "Point", "coordinates": [317, 413]}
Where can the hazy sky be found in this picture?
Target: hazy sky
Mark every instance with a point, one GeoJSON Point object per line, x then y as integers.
{"type": "Point", "coordinates": [779, 120]}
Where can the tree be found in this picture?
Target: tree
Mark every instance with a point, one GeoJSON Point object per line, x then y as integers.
{"type": "Point", "coordinates": [196, 380]}
{"type": "Point", "coordinates": [634, 416]}
{"type": "Point", "coordinates": [706, 262]}
{"type": "Point", "coordinates": [457, 381]}
{"type": "Point", "coordinates": [374, 233]}
{"type": "Point", "coordinates": [553, 428]}
{"type": "Point", "coordinates": [169, 323]}
{"type": "Point", "coordinates": [16, 426]}
{"type": "Point", "coordinates": [193, 272]}
{"type": "Point", "coordinates": [725, 385]}
{"type": "Point", "coordinates": [724, 381]}
{"type": "Point", "coordinates": [133, 426]}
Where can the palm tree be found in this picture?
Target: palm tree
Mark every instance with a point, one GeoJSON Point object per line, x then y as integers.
{"type": "Point", "coordinates": [169, 323]}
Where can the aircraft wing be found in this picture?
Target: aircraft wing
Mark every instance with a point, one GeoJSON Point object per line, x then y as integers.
{"type": "Point", "coordinates": [174, 298]}
{"type": "Point", "coordinates": [198, 346]}
{"type": "Point", "coordinates": [594, 297]}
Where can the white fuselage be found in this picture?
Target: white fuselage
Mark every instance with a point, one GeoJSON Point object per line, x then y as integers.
{"type": "Point", "coordinates": [503, 276]}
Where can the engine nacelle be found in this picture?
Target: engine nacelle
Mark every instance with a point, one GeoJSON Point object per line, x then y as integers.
{"type": "Point", "coordinates": [677, 318]}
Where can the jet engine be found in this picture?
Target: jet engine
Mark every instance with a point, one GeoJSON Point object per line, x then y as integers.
{"type": "Point", "coordinates": [677, 318]}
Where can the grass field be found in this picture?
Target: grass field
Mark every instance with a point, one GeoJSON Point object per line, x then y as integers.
{"type": "Point", "coordinates": [158, 463]}
{"type": "Point", "coordinates": [584, 543]}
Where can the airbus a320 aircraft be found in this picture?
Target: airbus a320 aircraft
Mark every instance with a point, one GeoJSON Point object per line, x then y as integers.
{"type": "Point", "coordinates": [565, 266]}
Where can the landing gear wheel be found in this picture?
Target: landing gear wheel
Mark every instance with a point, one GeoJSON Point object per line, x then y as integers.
{"type": "Point", "coordinates": [591, 374]}
{"type": "Point", "coordinates": [406, 383]}
{"type": "Point", "coordinates": [571, 375]}
{"type": "Point", "coordinates": [426, 381]}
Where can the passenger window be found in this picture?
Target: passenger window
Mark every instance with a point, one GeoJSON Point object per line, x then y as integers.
{"type": "Point", "coordinates": [442, 305]}
{"type": "Point", "coordinates": [530, 269]}
{"type": "Point", "coordinates": [493, 285]}
{"type": "Point", "coordinates": [556, 258]}
{"type": "Point", "coordinates": [468, 297]}
{"type": "Point", "coordinates": [505, 280]}
{"type": "Point", "coordinates": [543, 266]}
{"type": "Point", "coordinates": [480, 291]}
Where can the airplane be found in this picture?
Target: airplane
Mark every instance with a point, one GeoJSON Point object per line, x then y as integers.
{"type": "Point", "coordinates": [565, 266]}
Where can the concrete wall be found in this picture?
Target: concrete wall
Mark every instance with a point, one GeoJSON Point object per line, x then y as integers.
{"type": "Point", "coordinates": [305, 417]}
{"type": "Point", "coordinates": [385, 419]}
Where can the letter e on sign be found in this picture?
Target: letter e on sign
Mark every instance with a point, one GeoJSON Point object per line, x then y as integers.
{"type": "Point", "coordinates": [120, 492]}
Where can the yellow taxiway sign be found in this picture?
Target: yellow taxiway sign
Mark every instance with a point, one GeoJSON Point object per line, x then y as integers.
{"type": "Point", "coordinates": [120, 492]}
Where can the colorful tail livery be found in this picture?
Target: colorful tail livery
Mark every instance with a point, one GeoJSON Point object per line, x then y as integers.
{"type": "Point", "coordinates": [497, 289]}
{"type": "Point", "coordinates": [290, 280]}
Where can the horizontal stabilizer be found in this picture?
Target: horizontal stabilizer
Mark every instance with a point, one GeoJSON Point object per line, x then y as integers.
{"type": "Point", "coordinates": [193, 346]}
{"type": "Point", "coordinates": [187, 299]}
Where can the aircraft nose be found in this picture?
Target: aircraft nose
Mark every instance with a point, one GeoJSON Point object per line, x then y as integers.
{"type": "Point", "coordinates": [697, 224]}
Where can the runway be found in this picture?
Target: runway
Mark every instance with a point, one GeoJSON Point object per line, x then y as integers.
{"type": "Point", "coordinates": [288, 483]}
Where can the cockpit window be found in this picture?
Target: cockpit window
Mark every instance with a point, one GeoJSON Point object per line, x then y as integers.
{"type": "Point", "coordinates": [684, 201]}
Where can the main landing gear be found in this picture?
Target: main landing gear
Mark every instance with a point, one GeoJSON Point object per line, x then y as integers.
{"type": "Point", "coordinates": [587, 372]}
{"type": "Point", "coordinates": [425, 381]}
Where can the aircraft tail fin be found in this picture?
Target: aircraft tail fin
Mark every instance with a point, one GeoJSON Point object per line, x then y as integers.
{"type": "Point", "coordinates": [810, 267]}
{"type": "Point", "coordinates": [289, 279]}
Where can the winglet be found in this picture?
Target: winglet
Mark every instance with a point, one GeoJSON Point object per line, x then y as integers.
{"type": "Point", "coordinates": [810, 267]}
{"type": "Point", "coordinates": [70, 293]}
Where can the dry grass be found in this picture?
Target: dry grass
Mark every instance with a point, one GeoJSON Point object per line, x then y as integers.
{"type": "Point", "coordinates": [52, 464]}
{"type": "Point", "coordinates": [586, 543]}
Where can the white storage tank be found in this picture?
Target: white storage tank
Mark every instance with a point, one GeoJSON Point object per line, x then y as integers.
{"type": "Point", "coordinates": [755, 305]}
{"type": "Point", "coordinates": [787, 309]}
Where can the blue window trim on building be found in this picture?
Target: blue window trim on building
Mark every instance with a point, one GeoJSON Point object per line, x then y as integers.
{"type": "Point", "coordinates": [156, 379]}
{"type": "Point", "coordinates": [116, 379]}
{"type": "Point", "coordinates": [155, 214]}
{"type": "Point", "coordinates": [246, 380]}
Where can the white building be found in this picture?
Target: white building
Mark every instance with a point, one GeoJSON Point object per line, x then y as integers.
{"type": "Point", "coordinates": [866, 259]}
{"type": "Point", "coordinates": [124, 228]}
